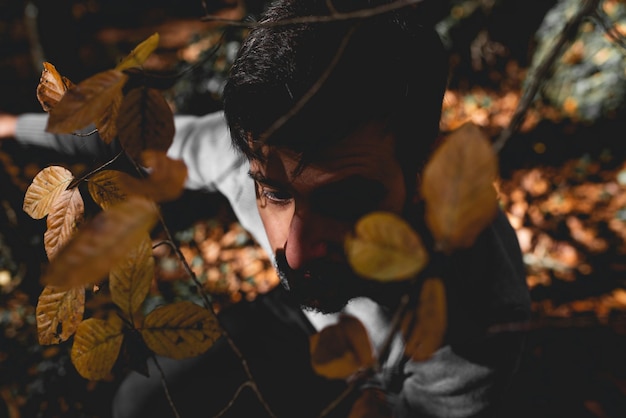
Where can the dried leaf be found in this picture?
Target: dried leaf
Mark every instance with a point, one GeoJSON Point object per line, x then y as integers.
{"type": "Point", "coordinates": [372, 403]}
{"type": "Point", "coordinates": [180, 330]}
{"type": "Point", "coordinates": [458, 187]}
{"type": "Point", "coordinates": [64, 218]}
{"type": "Point", "coordinates": [140, 54]}
{"type": "Point", "coordinates": [86, 102]}
{"type": "Point", "coordinates": [166, 180]}
{"type": "Point", "coordinates": [105, 187]}
{"type": "Point", "coordinates": [341, 349]}
{"type": "Point", "coordinates": [145, 122]}
{"type": "Point", "coordinates": [47, 185]}
{"type": "Point", "coordinates": [130, 280]}
{"type": "Point", "coordinates": [102, 243]}
{"type": "Point", "coordinates": [58, 313]}
{"type": "Point", "coordinates": [426, 336]}
{"type": "Point", "coordinates": [384, 247]}
{"type": "Point", "coordinates": [96, 346]}
{"type": "Point", "coordinates": [52, 86]}
{"type": "Point", "coordinates": [106, 124]}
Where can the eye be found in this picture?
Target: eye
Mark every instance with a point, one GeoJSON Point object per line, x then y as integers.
{"type": "Point", "coordinates": [274, 196]}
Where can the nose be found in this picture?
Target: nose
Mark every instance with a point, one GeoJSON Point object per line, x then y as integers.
{"type": "Point", "coordinates": [307, 239]}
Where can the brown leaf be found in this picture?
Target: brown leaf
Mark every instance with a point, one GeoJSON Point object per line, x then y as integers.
{"type": "Point", "coordinates": [102, 243]}
{"type": "Point", "coordinates": [58, 313]}
{"type": "Point", "coordinates": [130, 279]}
{"type": "Point", "coordinates": [145, 122]}
{"type": "Point", "coordinates": [180, 330]}
{"type": "Point", "coordinates": [166, 180]}
{"type": "Point", "coordinates": [384, 247]}
{"type": "Point", "coordinates": [341, 349]}
{"type": "Point", "coordinates": [426, 336]}
{"type": "Point", "coordinates": [458, 187]}
{"type": "Point", "coordinates": [86, 102]}
{"type": "Point", "coordinates": [372, 403]}
{"type": "Point", "coordinates": [140, 54]}
{"type": "Point", "coordinates": [96, 346]}
{"type": "Point", "coordinates": [106, 124]}
{"type": "Point", "coordinates": [64, 218]}
{"type": "Point", "coordinates": [52, 86]}
{"type": "Point", "coordinates": [106, 187]}
{"type": "Point", "coordinates": [47, 185]}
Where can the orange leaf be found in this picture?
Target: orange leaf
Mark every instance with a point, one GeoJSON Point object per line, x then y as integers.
{"type": "Point", "coordinates": [58, 313]}
{"type": "Point", "coordinates": [131, 278]}
{"type": "Point", "coordinates": [47, 185]}
{"type": "Point", "coordinates": [180, 330]}
{"type": "Point", "coordinates": [372, 403]}
{"type": "Point", "coordinates": [52, 86]}
{"type": "Point", "coordinates": [384, 247]}
{"type": "Point", "coordinates": [66, 214]}
{"type": "Point", "coordinates": [165, 182]}
{"type": "Point", "coordinates": [86, 102]}
{"type": "Point", "coordinates": [102, 243]}
{"type": "Point", "coordinates": [140, 54]}
{"type": "Point", "coordinates": [145, 122]}
{"type": "Point", "coordinates": [106, 187]}
{"type": "Point", "coordinates": [458, 187]}
{"type": "Point", "coordinates": [426, 336]}
{"type": "Point", "coordinates": [340, 350]}
{"type": "Point", "coordinates": [106, 124]}
{"type": "Point", "coordinates": [96, 346]}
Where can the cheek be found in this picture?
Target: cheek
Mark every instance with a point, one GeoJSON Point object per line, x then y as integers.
{"type": "Point", "coordinates": [276, 222]}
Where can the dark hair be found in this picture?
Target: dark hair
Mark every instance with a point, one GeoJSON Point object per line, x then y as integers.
{"type": "Point", "coordinates": [394, 68]}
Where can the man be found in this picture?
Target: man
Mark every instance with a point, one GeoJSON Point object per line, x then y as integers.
{"type": "Point", "coordinates": [336, 120]}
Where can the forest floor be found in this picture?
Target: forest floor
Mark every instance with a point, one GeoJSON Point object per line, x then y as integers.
{"type": "Point", "coordinates": [563, 186]}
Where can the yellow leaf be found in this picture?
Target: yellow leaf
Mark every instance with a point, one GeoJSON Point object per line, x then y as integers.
{"type": "Point", "coordinates": [341, 349]}
{"type": "Point", "coordinates": [106, 124]}
{"type": "Point", "coordinates": [140, 54]}
{"type": "Point", "coordinates": [458, 188]}
{"type": "Point", "coordinates": [166, 180]}
{"type": "Point", "coordinates": [384, 247]}
{"type": "Point", "coordinates": [86, 102]}
{"type": "Point", "coordinates": [425, 328]}
{"type": "Point", "coordinates": [65, 215]}
{"type": "Point", "coordinates": [102, 243]}
{"type": "Point", "coordinates": [145, 122]}
{"type": "Point", "coordinates": [371, 403]}
{"type": "Point", "coordinates": [180, 330]}
{"type": "Point", "coordinates": [105, 187]}
{"type": "Point", "coordinates": [52, 86]}
{"type": "Point", "coordinates": [58, 313]}
{"type": "Point", "coordinates": [96, 346]}
{"type": "Point", "coordinates": [130, 279]}
{"type": "Point", "coordinates": [47, 185]}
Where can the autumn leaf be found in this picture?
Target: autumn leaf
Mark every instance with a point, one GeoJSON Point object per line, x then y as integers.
{"type": "Point", "coordinates": [47, 185]}
{"type": "Point", "coordinates": [131, 278]}
{"type": "Point", "coordinates": [105, 187]}
{"type": "Point", "coordinates": [52, 86]}
{"type": "Point", "coordinates": [96, 346]}
{"type": "Point", "coordinates": [86, 102]}
{"type": "Point", "coordinates": [458, 188]}
{"type": "Point", "coordinates": [371, 403]}
{"type": "Point", "coordinates": [341, 349]}
{"type": "Point", "coordinates": [58, 313]}
{"type": "Point", "coordinates": [65, 215]}
{"type": "Point", "coordinates": [102, 243]}
{"type": "Point", "coordinates": [425, 327]}
{"type": "Point", "coordinates": [166, 180]}
{"type": "Point", "coordinates": [140, 54]}
{"type": "Point", "coordinates": [146, 122]}
{"type": "Point", "coordinates": [106, 124]}
{"type": "Point", "coordinates": [180, 330]}
{"type": "Point", "coordinates": [384, 247]}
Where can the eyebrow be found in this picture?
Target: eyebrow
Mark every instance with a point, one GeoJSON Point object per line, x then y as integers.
{"type": "Point", "coordinates": [260, 178]}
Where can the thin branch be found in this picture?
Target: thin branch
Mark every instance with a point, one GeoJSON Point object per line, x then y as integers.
{"type": "Point", "coordinates": [165, 388]}
{"type": "Point", "coordinates": [602, 19]}
{"type": "Point", "coordinates": [541, 71]}
{"type": "Point", "coordinates": [75, 182]}
{"type": "Point", "coordinates": [333, 17]}
{"type": "Point", "coordinates": [240, 389]}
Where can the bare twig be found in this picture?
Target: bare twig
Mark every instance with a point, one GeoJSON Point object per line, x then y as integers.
{"type": "Point", "coordinates": [240, 389]}
{"type": "Point", "coordinates": [75, 182]}
{"type": "Point", "coordinates": [602, 19]}
{"type": "Point", "coordinates": [165, 388]}
{"type": "Point", "coordinates": [541, 71]}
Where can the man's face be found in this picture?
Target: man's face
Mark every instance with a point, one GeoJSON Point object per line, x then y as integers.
{"type": "Point", "coordinates": [307, 216]}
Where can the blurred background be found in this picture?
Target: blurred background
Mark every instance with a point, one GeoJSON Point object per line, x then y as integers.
{"type": "Point", "coordinates": [563, 181]}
